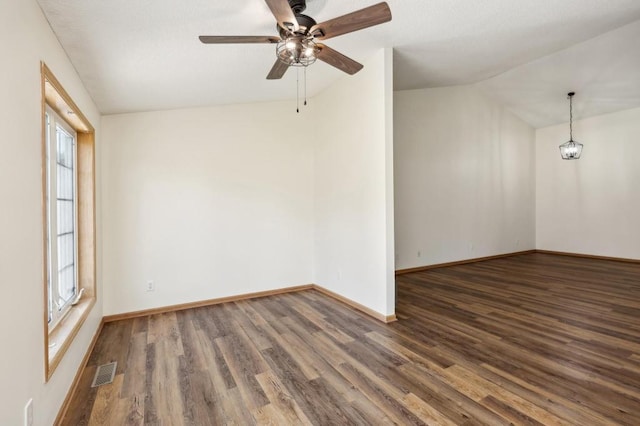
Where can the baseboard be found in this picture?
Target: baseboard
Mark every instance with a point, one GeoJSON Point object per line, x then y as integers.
{"type": "Point", "coordinates": [76, 380]}
{"type": "Point", "coordinates": [589, 256]}
{"type": "Point", "coordinates": [201, 303]}
{"type": "Point", "coordinates": [356, 305]}
{"type": "Point", "coordinates": [461, 262]}
{"type": "Point", "coordinates": [210, 302]}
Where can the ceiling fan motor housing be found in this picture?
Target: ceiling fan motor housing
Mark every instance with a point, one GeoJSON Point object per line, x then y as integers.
{"type": "Point", "coordinates": [298, 6]}
{"type": "Point", "coordinates": [304, 22]}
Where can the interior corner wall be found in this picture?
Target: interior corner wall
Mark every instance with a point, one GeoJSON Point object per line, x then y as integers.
{"type": "Point", "coordinates": [353, 253]}
{"type": "Point", "coordinates": [206, 203]}
{"type": "Point", "coordinates": [591, 205]}
{"type": "Point", "coordinates": [25, 40]}
{"type": "Point", "coordinates": [464, 177]}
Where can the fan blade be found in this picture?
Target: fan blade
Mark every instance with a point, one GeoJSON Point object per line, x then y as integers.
{"type": "Point", "coordinates": [337, 59]}
{"type": "Point", "coordinates": [278, 70]}
{"type": "Point", "coordinates": [283, 13]}
{"type": "Point", "coordinates": [238, 39]}
{"type": "Point", "coordinates": [358, 20]}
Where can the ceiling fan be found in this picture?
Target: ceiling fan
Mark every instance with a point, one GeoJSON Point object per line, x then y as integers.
{"type": "Point", "coordinates": [296, 44]}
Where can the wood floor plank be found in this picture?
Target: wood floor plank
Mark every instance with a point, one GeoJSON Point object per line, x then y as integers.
{"type": "Point", "coordinates": [268, 415]}
{"type": "Point", "coordinates": [104, 410]}
{"type": "Point", "coordinates": [126, 411]}
{"type": "Point", "coordinates": [113, 345]}
{"type": "Point", "coordinates": [485, 391]}
{"type": "Point", "coordinates": [448, 400]}
{"type": "Point", "coordinates": [207, 406]}
{"type": "Point", "coordinates": [164, 328]}
{"type": "Point", "coordinates": [163, 382]}
{"type": "Point", "coordinates": [217, 369]}
{"type": "Point", "coordinates": [281, 400]}
{"type": "Point", "coordinates": [385, 395]}
{"type": "Point", "coordinates": [297, 340]}
{"type": "Point", "coordinates": [424, 411]}
{"type": "Point", "coordinates": [243, 372]}
{"type": "Point", "coordinates": [135, 367]}
{"type": "Point", "coordinates": [564, 408]}
{"type": "Point", "coordinates": [314, 398]}
{"type": "Point", "coordinates": [257, 335]}
{"type": "Point", "coordinates": [80, 408]}
{"type": "Point", "coordinates": [525, 340]}
{"type": "Point", "coordinates": [509, 412]}
{"type": "Point", "coordinates": [196, 361]}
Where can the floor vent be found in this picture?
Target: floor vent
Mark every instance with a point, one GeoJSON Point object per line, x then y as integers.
{"type": "Point", "coordinates": [104, 374]}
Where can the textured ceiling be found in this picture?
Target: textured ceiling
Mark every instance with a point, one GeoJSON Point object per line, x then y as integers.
{"type": "Point", "coordinates": [603, 71]}
{"type": "Point", "coordinates": [144, 54]}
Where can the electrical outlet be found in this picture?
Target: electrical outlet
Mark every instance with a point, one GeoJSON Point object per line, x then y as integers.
{"type": "Point", "coordinates": [151, 286]}
{"type": "Point", "coordinates": [28, 413]}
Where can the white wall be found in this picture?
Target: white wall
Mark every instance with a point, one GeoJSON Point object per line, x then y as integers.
{"type": "Point", "coordinates": [207, 203]}
{"type": "Point", "coordinates": [464, 177]}
{"type": "Point", "coordinates": [354, 186]}
{"type": "Point", "coordinates": [220, 201]}
{"type": "Point", "coordinates": [590, 205]}
{"type": "Point", "coordinates": [25, 40]}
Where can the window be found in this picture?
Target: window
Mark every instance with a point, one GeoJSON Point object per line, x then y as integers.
{"type": "Point", "coordinates": [68, 216]}
{"type": "Point", "coordinates": [60, 154]}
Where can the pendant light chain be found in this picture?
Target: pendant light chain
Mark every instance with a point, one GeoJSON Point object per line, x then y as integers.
{"type": "Point", "coordinates": [571, 150]}
{"type": "Point", "coordinates": [305, 86]}
{"type": "Point", "coordinates": [571, 117]}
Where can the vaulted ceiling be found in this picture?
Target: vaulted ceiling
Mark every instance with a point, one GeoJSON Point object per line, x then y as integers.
{"type": "Point", "coordinates": [145, 55]}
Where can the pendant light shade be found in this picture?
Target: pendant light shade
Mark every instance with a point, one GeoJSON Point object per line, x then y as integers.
{"type": "Point", "coordinates": [571, 150]}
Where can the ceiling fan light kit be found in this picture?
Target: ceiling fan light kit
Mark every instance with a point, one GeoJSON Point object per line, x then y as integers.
{"type": "Point", "coordinates": [297, 51]}
{"type": "Point", "coordinates": [296, 45]}
{"type": "Point", "coordinates": [571, 150]}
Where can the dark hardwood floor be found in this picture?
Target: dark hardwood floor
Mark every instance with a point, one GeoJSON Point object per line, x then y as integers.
{"type": "Point", "coordinates": [530, 339]}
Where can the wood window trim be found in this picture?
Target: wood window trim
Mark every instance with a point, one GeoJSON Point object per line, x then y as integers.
{"type": "Point", "coordinates": [61, 337]}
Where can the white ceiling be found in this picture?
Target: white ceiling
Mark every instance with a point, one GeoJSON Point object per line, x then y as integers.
{"type": "Point", "coordinates": [603, 71]}
{"type": "Point", "coordinates": [144, 54]}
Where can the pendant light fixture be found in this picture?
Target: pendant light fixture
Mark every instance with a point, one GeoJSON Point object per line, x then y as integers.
{"type": "Point", "coordinates": [571, 150]}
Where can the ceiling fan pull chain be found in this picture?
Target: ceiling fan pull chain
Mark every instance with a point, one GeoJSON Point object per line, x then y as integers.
{"type": "Point", "coordinates": [298, 90]}
{"type": "Point", "coordinates": [305, 86]}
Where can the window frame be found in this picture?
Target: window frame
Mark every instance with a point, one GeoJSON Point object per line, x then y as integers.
{"type": "Point", "coordinates": [58, 339]}
{"type": "Point", "coordinates": [53, 121]}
